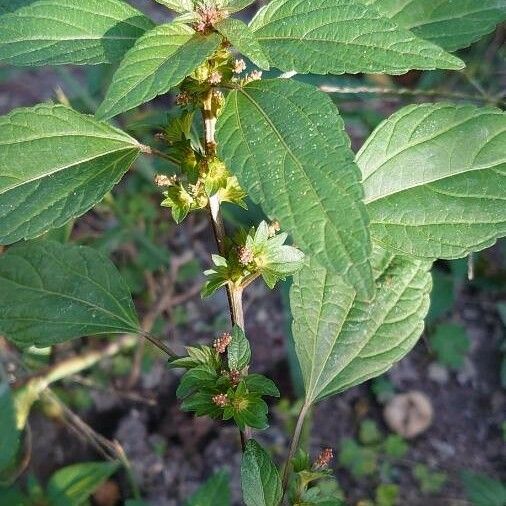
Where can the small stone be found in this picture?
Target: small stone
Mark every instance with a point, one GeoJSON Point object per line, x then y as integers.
{"type": "Point", "coordinates": [409, 414]}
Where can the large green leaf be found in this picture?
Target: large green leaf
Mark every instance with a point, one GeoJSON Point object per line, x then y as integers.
{"type": "Point", "coordinates": [160, 60]}
{"type": "Point", "coordinates": [45, 32]}
{"type": "Point", "coordinates": [341, 339]}
{"type": "Point", "coordinates": [214, 492]}
{"type": "Point", "coordinates": [261, 483]}
{"type": "Point", "coordinates": [73, 485]}
{"type": "Point", "coordinates": [51, 292]}
{"type": "Point", "coordinates": [55, 164]}
{"type": "Point", "coordinates": [9, 439]}
{"type": "Point", "coordinates": [243, 39]}
{"type": "Point", "coordinates": [435, 179]}
{"type": "Point", "coordinates": [286, 143]}
{"type": "Point", "coordinates": [177, 5]}
{"type": "Point", "coordinates": [236, 5]}
{"type": "Point", "coordinates": [451, 24]}
{"type": "Point", "coordinates": [342, 36]}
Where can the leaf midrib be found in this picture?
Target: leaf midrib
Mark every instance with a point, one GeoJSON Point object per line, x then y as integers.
{"type": "Point", "coordinates": [66, 167]}
{"type": "Point", "coordinates": [75, 299]}
{"type": "Point", "coordinates": [307, 178]}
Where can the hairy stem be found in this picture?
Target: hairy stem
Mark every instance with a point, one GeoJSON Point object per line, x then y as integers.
{"type": "Point", "coordinates": [400, 92]}
{"type": "Point", "coordinates": [234, 293]}
{"type": "Point", "coordinates": [294, 444]}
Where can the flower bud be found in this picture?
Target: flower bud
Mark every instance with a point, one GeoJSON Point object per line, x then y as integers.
{"type": "Point", "coordinates": [221, 343]}
{"type": "Point", "coordinates": [221, 400]}
{"type": "Point", "coordinates": [323, 459]}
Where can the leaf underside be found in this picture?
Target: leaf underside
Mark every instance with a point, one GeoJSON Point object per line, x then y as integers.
{"type": "Point", "coordinates": [286, 144]}
{"type": "Point", "coordinates": [49, 32]}
{"type": "Point", "coordinates": [341, 339]}
{"type": "Point", "coordinates": [55, 164]}
{"type": "Point", "coordinates": [435, 180]}
{"type": "Point", "coordinates": [51, 292]}
{"type": "Point", "coordinates": [449, 24]}
{"type": "Point", "coordinates": [329, 37]}
{"type": "Point", "coordinates": [160, 60]}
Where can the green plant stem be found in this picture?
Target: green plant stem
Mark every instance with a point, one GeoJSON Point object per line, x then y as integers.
{"type": "Point", "coordinates": [234, 293]}
{"type": "Point", "coordinates": [358, 90]}
{"type": "Point", "coordinates": [294, 444]}
{"type": "Point", "coordinates": [150, 151]}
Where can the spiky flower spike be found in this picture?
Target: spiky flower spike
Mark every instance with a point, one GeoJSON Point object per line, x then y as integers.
{"type": "Point", "coordinates": [323, 460]}
{"type": "Point", "coordinates": [239, 66]}
{"type": "Point", "coordinates": [208, 15]}
{"type": "Point", "coordinates": [235, 376]}
{"type": "Point", "coordinates": [221, 343]}
{"type": "Point", "coordinates": [220, 400]}
{"type": "Point", "coordinates": [244, 255]}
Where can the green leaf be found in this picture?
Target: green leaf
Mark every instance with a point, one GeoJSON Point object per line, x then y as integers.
{"type": "Point", "coordinates": [214, 492]}
{"type": "Point", "coordinates": [449, 24]}
{"type": "Point", "coordinates": [261, 483]}
{"type": "Point", "coordinates": [359, 460]}
{"type": "Point", "coordinates": [369, 433]}
{"type": "Point", "coordinates": [260, 385]}
{"type": "Point", "coordinates": [442, 297]}
{"type": "Point", "coordinates": [483, 490]}
{"type": "Point", "coordinates": [246, 408]}
{"type": "Point", "coordinates": [341, 339]}
{"type": "Point", "coordinates": [243, 39]}
{"type": "Point", "coordinates": [51, 292]}
{"type": "Point", "coordinates": [45, 32]}
{"type": "Point", "coordinates": [387, 494]}
{"type": "Point", "coordinates": [272, 258]}
{"type": "Point", "coordinates": [435, 180]}
{"type": "Point", "coordinates": [451, 344]}
{"type": "Point", "coordinates": [236, 5]}
{"type": "Point", "coordinates": [73, 485]}
{"type": "Point", "coordinates": [9, 439]}
{"type": "Point", "coordinates": [430, 482]}
{"type": "Point", "coordinates": [12, 495]}
{"type": "Point", "coordinates": [202, 404]}
{"type": "Point", "coordinates": [199, 377]}
{"type": "Point", "coordinates": [286, 143]}
{"type": "Point", "coordinates": [239, 351]}
{"type": "Point", "coordinates": [329, 37]}
{"type": "Point", "coordinates": [159, 60]}
{"type": "Point", "coordinates": [55, 164]}
{"type": "Point", "coordinates": [177, 5]}
{"type": "Point", "coordinates": [394, 446]}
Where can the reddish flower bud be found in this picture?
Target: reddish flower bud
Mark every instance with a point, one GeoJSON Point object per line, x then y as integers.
{"type": "Point", "coordinates": [244, 255]}
{"type": "Point", "coordinates": [235, 376]}
{"type": "Point", "coordinates": [323, 460]}
{"type": "Point", "coordinates": [221, 400]}
{"type": "Point", "coordinates": [221, 343]}
{"type": "Point", "coordinates": [183, 98]}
